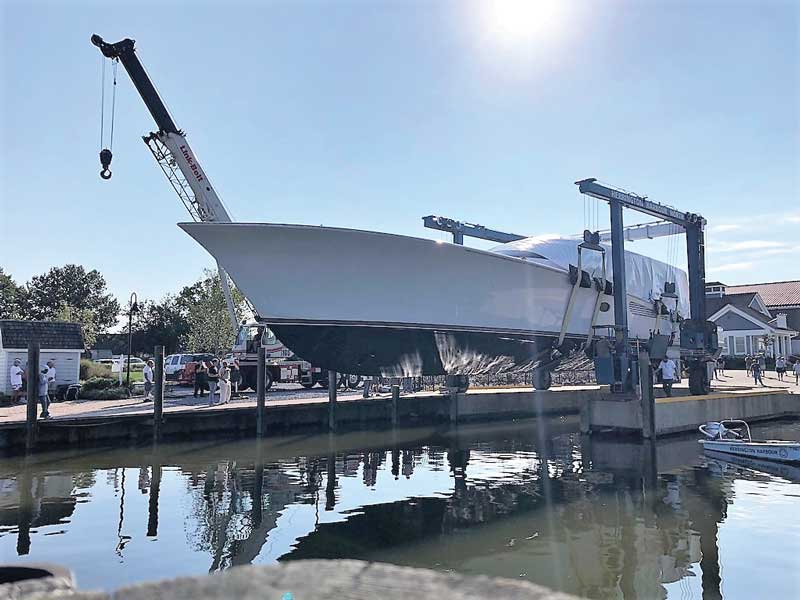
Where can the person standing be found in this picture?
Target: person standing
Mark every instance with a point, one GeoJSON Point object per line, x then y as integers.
{"type": "Point", "coordinates": [224, 383]}
{"type": "Point", "coordinates": [668, 368]}
{"type": "Point", "coordinates": [780, 367]}
{"type": "Point", "coordinates": [147, 372]}
{"type": "Point", "coordinates": [756, 369]}
{"type": "Point", "coordinates": [762, 362]}
{"type": "Point", "coordinates": [236, 377]}
{"type": "Point", "coordinates": [15, 375]}
{"type": "Point", "coordinates": [721, 365]}
{"type": "Point", "coordinates": [200, 378]}
{"type": "Point", "coordinates": [796, 370]}
{"type": "Point", "coordinates": [213, 380]}
{"type": "Point", "coordinates": [44, 397]}
{"type": "Point", "coordinates": [51, 381]}
{"type": "Point", "coordinates": [748, 363]}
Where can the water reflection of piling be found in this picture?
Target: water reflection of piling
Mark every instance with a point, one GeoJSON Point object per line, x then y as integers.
{"type": "Point", "coordinates": [152, 503]}
{"type": "Point", "coordinates": [25, 513]}
{"type": "Point", "coordinates": [330, 485]}
{"type": "Point", "coordinates": [258, 487]}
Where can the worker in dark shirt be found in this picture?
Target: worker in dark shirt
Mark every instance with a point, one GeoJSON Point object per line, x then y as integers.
{"type": "Point", "coordinates": [213, 379]}
{"type": "Point", "coordinates": [200, 379]}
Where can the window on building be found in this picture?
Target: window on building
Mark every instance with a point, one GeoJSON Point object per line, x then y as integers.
{"type": "Point", "coordinates": [740, 347]}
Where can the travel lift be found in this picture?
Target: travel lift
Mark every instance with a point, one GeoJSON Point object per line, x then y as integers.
{"type": "Point", "coordinates": [615, 361]}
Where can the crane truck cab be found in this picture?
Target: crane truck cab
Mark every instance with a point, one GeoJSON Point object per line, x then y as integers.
{"type": "Point", "coordinates": [282, 364]}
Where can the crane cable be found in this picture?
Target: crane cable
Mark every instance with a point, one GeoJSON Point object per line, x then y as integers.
{"type": "Point", "coordinates": [105, 153]}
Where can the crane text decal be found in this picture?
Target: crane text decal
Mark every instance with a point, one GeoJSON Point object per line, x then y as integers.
{"type": "Point", "coordinates": [192, 165]}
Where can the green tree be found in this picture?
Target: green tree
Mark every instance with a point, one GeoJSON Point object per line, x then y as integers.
{"type": "Point", "coordinates": [12, 298]}
{"type": "Point", "coordinates": [209, 326]}
{"type": "Point", "coordinates": [85, 317]}
{"type": "Point", "coordinates": [82, 292]}
{"type": "Point", "coordinates": [159, 323]}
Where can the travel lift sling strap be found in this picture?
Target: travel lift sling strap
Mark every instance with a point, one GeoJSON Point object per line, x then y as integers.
{"type": "Point", "coordinates": [591, 242]}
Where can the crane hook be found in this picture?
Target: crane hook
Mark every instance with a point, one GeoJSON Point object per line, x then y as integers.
{"type": "Point", "coordinates": [105, 161]}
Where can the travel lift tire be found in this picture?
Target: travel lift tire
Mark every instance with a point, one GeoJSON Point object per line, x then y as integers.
{"type": "Point", "coordinates": [542, 379]}
{"type": "Point", "coordinates": [268, 379]}
{"type": "Point", "coordinates": [460, 382]}
{"type": "Point", "coordinates": [352, 381]}
{"type": "Point", "coordinates": [698, 380]}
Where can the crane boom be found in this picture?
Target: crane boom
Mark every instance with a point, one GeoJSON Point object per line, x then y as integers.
{"type": "Point", "coordinates": [173, 153]}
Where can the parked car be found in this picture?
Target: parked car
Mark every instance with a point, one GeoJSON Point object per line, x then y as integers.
{"type": "Point", "coordinates": [137, 364]}
{"type": "Point", "coordinates": [175, 363]}
{"type": "Point", "coordinates": [186, 375]}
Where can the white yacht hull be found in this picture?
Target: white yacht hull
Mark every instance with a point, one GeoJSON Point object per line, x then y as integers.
{"type": "Point", "coordinates": [367, 302]}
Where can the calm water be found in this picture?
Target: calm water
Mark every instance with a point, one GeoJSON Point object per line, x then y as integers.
{"type": "Point", "coordinates": [530, 500]}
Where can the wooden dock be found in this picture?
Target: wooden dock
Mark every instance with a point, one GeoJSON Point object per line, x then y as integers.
{"type": "Point", "coordinates": [122, 422]}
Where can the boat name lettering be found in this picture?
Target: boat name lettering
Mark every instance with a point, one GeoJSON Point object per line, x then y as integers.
{"type": "Point", "coordinates": [740, 449]}
{"type": "Point", "coordinates": [192, 165]}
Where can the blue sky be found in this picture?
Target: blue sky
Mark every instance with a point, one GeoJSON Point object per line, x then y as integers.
{"type": "Point", "coordinates": [372, 114]}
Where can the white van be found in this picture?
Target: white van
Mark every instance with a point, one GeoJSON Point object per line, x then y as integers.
{"type": "Point", "coordinates": [175, 363]}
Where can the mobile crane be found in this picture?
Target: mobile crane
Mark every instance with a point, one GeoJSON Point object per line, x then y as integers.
{"type": "Point", "coordinates": [183, 171]}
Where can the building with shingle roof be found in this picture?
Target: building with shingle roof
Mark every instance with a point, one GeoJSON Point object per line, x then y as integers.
{"type": "Point", "coordinates": [751, 324]}
{"type": "Point", "coordinates": [58, 341]}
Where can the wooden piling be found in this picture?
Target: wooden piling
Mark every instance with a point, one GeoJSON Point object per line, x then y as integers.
{"type": "Point", "coordinates": [32, 395]}
{"type": "Point", "coordinates": [647, 397]}
{"type": "Point", "coordinates": [261, 390]}
{"type": "Point", "coordinates": [158, 393]}
{"type": "Point", "coordinates": [332, 381]}
{"type": "Point", "coordinates": [395, 402]}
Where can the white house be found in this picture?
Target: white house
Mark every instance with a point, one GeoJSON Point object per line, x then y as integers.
{"type": "Point", "coordinates": [59, 341]}
{"type": "Point", "coordinates": [748, 326]}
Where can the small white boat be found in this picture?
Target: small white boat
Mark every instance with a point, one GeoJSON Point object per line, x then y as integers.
{"type": "Point", "coordinates": [731, 440]}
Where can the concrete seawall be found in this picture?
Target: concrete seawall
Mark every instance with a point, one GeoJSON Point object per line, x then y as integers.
{"type": "Point", "coordinates": [680, 414]}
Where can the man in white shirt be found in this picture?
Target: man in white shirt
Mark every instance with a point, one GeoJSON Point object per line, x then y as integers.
{"type": "Point", "coordinates": [148, 379]}
{"type": "Point", "coordinates": [51, 380]}
{"type": "Point", "coordinates": [15, 374]}
{"type": "Point", "coordinates": [668, 369]}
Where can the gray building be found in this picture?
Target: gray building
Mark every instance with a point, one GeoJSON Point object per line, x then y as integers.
{"type": "Point", "coordinates": [748, 323]}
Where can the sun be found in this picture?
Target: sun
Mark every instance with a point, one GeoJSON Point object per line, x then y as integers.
{"type": "Point", "coordinates": [521, 21]}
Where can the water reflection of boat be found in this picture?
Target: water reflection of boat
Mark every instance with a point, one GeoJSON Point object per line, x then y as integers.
{"type": "Point", "coordinates": [784, 470]}
{"type": "Point", "coordinates": [591, 536]}
{"type": "Point", "coordinates": [721, 437]}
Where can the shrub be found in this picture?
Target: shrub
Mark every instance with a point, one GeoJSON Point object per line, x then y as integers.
{"type": "Point", "coordinates": [98, 383]}
{"type": "Point", "coordinates": [111, 393]}
{"type": "Point", "coordinates": [90, 369]}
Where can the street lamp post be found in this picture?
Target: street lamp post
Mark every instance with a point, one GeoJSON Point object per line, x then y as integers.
{"type": "Point", "coordinates": [134, 307]}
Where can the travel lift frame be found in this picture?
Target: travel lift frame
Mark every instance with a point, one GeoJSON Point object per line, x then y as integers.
{"type": "Point", "coordinates": [618, 367]}
{"type": "Point", "coordinates": [698, 343]}
{"type": "Point", "coordinates": [171, 150]}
